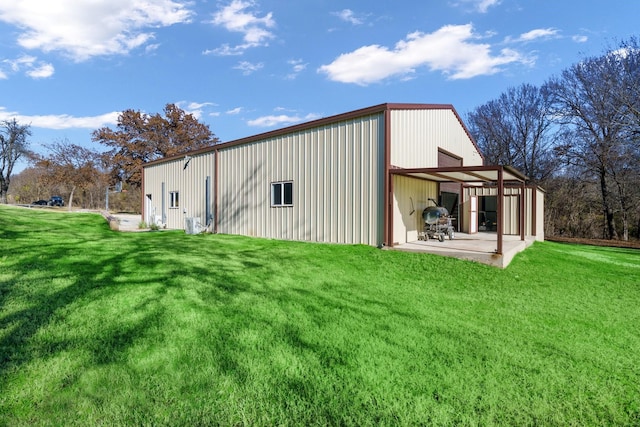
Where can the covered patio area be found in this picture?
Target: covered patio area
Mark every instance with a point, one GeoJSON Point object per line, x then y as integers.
{"type": "Point", "coordinates": [493, 248]}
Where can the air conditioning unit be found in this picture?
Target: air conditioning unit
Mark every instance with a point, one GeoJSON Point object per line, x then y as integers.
{"type": "Point", "coordinates": [192, 225]}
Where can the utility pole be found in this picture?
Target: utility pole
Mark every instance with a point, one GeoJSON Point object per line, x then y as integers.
{"type": "Point", "coordinates": [117, 189]}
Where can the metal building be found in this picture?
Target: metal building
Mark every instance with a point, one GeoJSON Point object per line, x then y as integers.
{"type": "Point", "coordinates": [360, 177]}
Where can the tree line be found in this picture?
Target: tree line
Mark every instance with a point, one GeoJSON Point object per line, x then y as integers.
{"type": "Point", "coordinates": [84, 176]}
{"type": "Point", "coordinates": [578, 137]}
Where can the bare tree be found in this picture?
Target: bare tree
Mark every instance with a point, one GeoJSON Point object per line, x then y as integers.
{"type": "Point", "coordinates": [516, 130]}
{"type": "Point", "coordinates": [588, 104]}
{"type": "Point", "coordinates": [73, 168]}
{"type": "Point", "coordinates": [29, 185]}
{"type": "Point", "coordinates": [628, 93]}
{"type": "Point", "coordinates": [13, 145]}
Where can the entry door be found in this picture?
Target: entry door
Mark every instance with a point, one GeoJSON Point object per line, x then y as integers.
{"type": "Point", "coordinates": [473, 214]}
{"type": "Point", "coordinates": [148, 210]}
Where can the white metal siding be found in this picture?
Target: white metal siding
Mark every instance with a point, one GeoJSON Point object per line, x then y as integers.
{"type": "Point", "coordinates": [189, 182]}
{"type": "Point", "coordinates": [511, 214]}
{"type": "Point", "coordinates": [337, 183]}
{"type": "Point", "coordinates": [410, 198]}
{"type": "Point", "coordinates": [416, 136]}
{"type": "Point", "coordinates": [511, 205]}
{"type": "Point", "coordinates": [539, 215]}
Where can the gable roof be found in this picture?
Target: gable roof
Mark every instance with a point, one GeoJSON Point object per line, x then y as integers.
{"type": "Point", "coordinates": [375, 109]}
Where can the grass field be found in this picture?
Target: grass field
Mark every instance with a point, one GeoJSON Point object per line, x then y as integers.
{"type": "Point", "coordinates": [161, 328]}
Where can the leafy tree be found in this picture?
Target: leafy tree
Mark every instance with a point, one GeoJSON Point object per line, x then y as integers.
{"type": "Point", "coordinates": [13, 145]}
{"type": "Point", "coordinates": [516, 129]}
{"type": "Point", "coordinates": [140, 138]}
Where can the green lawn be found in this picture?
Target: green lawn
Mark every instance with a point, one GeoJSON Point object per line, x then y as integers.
{"type": "Point", "coordinates": [162, 328]}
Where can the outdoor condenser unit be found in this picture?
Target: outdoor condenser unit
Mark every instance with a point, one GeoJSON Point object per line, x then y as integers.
{"type": "Point", "coordinates": [192, 225]}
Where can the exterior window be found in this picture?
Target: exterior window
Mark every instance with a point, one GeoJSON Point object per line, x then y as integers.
{"type": "Point", "coordinates": [282, 194]}
{"type": "Point", "coordinates": [174, 199]}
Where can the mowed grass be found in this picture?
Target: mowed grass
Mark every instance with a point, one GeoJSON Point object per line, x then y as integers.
{"type": "Point", "coordinates": [161, 328]}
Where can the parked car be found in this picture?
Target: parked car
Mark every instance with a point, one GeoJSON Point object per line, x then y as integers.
{"type": "Point", "coordinates": [56, 201]}
{"type": "Point", "coordinates": [41, 202]}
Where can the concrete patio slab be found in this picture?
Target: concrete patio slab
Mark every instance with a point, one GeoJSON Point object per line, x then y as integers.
{"type": "Point", "coordinates": [479, 247]}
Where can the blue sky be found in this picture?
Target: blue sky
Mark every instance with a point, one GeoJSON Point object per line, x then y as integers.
{"type": "Point", "coordinates": [68, 67]}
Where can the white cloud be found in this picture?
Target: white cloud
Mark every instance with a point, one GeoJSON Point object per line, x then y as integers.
{"type": "Point", "coordinates": [347, 15]}
{"type": "Point", "coordinates": [199, 105]}
{"type": "Point", "coordinates": [297, 66]}
{"type": "Point", "coordinates": [235, 18]}
{"type": "Point", "coordinates": [539, 33]}
{"type": "Point", "coordinates": [194, 108]}
{"type": "Point", "coordinates": [41, 72]}
{"type": "Point", "coordinates": [235, 111]}
{"type": "Point", "coordinates": [280, 120]}
{"type": "Point", "coordinates": [84, 29]}
{"type": "Point", "coordinates": [30, 65]}
{"type": "Point", "coordinates": [62, 121]}
{"type": "Point", "coordinates": [580, 38]}
{"type": "Point", "coordinates": [248, 68]}
{"type": "Point", "coordinates": [481, 6]}
{"type": "Point", "coordinates": [451, 50]}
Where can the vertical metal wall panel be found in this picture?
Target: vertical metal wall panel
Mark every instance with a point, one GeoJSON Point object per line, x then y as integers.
{"type": "Point", "coordinates": [416, 136]}
{"type": "Point", "coordinates": [528, 221]}
{"type": "Point", "coordinates": [410, 198]}
{"type": "Point", "coordinates": [336, 171]}
{"type": "Point", "coordinates": [189, 182]}
{"type": "Point", "coordinates": [539, 214]}
{"type": "Point", "coordinates": [511, 216]}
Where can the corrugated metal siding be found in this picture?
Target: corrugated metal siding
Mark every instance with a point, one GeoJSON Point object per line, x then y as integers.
{"type": "Point", "coordinates": [410, 198]}
{"type": "Point", "coordinates": [337, 174]}
{"type": "Point", "coordinates": [189, 182]}
{"type": "Point", "coordinates": [511, 205]}
{"type": "Point", "coordinates": [416, 136]}
{"type": "Point", "coordinates": [511, 214]}
{"type": "Point", "coordinates": [539, 214]}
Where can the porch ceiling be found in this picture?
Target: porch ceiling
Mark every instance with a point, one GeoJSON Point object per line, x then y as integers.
{"type": "Point", "coordinates": [463, 174]}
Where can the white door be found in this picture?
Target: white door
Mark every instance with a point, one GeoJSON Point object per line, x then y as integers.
{"type": "Point", "coordinates": [473, 214]}
{"type": "Point", "coordinates": [148, 213]}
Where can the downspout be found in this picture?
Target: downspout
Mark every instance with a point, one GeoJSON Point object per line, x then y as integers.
{"type": "Point", "coordinates": [207, 201]}
{"type": "Point", "coordinates": [216, 175]}
{"type": "Point", "coordinates": [143, 198]}
{"type": "Point", "coordinates": [164, 205]}
{"type": "Point", "coordinates": [534, 212]}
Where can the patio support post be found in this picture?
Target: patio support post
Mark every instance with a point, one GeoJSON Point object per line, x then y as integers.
{"type": "Point", "coordinates": [388, 183]}
{"type": "Point", "coordinates": [499, 208]}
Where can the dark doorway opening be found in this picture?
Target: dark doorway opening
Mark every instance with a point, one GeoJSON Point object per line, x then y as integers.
{"type": "Point", "coordinates": [487, 213]}
{"type": "Point", "coordinates": [450, 202]}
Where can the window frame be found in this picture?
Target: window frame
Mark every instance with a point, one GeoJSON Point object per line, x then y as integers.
{"type": "Point", "coordinates": [282, 194]}
{"type": "Point", "coordinates": [174, 199]}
